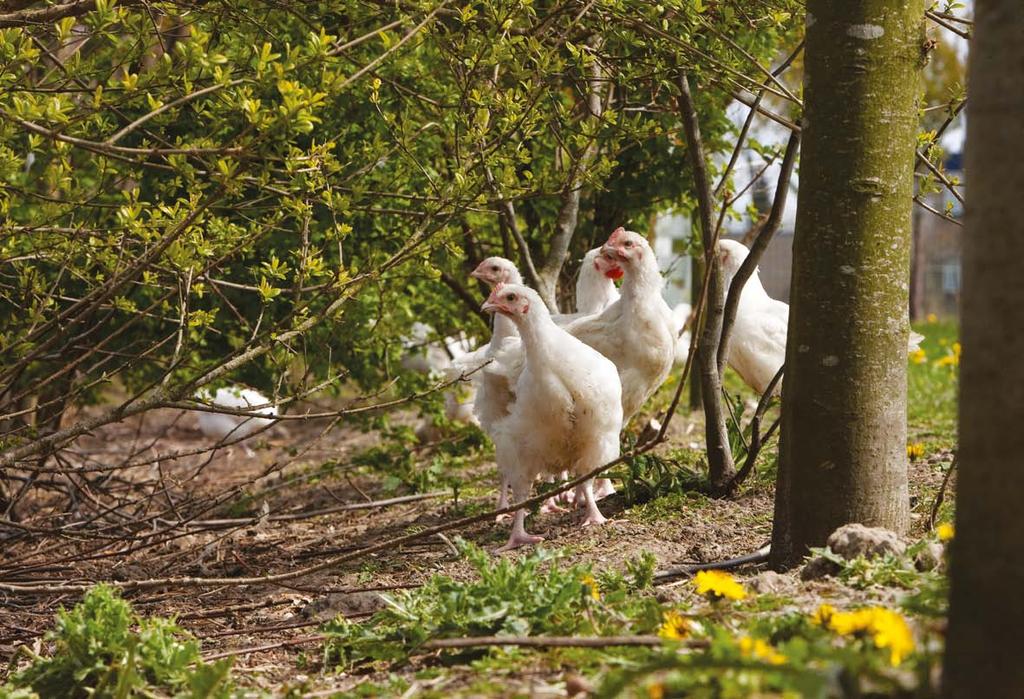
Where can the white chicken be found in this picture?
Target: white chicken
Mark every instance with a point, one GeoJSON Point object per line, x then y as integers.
{"type": "Point", "coordinates": [492, 387]}
{"type": "Point", "coordinates": [429, 356]}
{"type": "Point", "coordinates": [637, 332]}
{"type": "Point", "coordinates": [757, 348]}
{"type": "Point", "coordinates": [503, 356]}
{"type": "Point", "coordinates": [226, 427]}
{"type": "Point", "coordinates": [566, 414]}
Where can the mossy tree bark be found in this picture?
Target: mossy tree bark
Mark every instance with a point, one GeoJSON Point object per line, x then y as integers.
{"type": "Point", "coordinates": [986, 620]}
{"type": "Point", "coordinates": [843, 441]}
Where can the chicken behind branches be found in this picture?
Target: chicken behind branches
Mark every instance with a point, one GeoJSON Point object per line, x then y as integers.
{"type": "Point", "coordinates": [227, 427]}
{"type": "Point", "coordinates": [757, 348]}
{"type": "Point", "coordinates": [566, 414]}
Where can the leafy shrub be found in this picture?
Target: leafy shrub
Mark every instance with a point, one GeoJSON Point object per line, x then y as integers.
{"type": "Point", "coordinates": [101, 648]}
{"type": "Point", "coordinates": [528, 596]}
{"type": "Point", "coordinates": [649, 476]}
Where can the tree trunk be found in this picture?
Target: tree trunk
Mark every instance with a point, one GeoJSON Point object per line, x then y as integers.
{"type": "Point", "coordinates": [986, 619]}
{"type": "Point", "coordinates": [843, 443]}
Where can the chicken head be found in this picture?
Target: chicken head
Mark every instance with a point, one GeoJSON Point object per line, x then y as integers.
{"type": "Point", "coordinates": [510, 299]}
{"type": "Point", "coordinates": [626, 248]}
{"type": "Point", "coordinates": [496, 270]}
{"type": "Point", "coordinates": [731, 254]}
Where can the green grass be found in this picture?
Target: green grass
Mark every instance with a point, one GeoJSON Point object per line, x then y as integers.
{"type": "Point", "coordinates": [932, 387]}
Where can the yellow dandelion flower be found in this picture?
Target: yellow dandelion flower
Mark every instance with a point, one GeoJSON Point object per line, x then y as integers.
{"type": "Point", "coordinates": [718, 584]}
{"type": "Point", "coordinates": [932, 318]}
{"type": "Point", "coordinates": [945, 532]}
{"type": "Point", "coordinates": [885, 627]}
{"type": "Point", "coordinates": [915, 451]}
{"type": "Point", "coordinates": [957, 349]}
{"type": "Point", "coordinates": [760, 649]}
{"type": "Point", "coordinates": [850, 623]}
{"type": "Point", "coordinates": [919, 356]}
{"type": "Point", "coordinates": [656, 690]}
{"type": "Point", "coordinates": [950, 360]}
{"type": "Point", "coordinates": [595, 590]}
{"type": "Point", "coordinates": [674, 627]}
{"type": "Point", "coordinates": [823, 615]}
{"type": "Point", "coordinates": [890, 630]}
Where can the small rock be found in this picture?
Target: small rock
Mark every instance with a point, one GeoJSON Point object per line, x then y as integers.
{"type": "Point", "coordinates": [771, 583]}
{"type": "Point", "coordinates": [346, 603]}
{"type": "Point", "coordinates": [931, 557]}
{"type": "Point", "coordinates": [704, 552]}
{"type": "Point", "coordinates": [577, 684]}
{"type": "Point", "coordinates": [817, 568]}
{"type": "Point", "coordinates": [852, 540]}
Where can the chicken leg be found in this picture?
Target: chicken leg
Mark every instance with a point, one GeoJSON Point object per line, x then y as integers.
{"type": "Point", "coordinates": [519, 536]}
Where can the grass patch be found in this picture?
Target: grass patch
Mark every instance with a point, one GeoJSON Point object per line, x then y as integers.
{"type": "Point", "coordinates": [932, 384]}
{"type": "Point", "coordinates": [667, 507]}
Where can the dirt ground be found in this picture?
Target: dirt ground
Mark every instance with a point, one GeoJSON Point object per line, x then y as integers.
{"type": "Point", "coordinates": [233, 515]}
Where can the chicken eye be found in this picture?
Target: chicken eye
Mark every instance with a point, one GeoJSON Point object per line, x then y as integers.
{"type": "Point", "coordinates": [494, 268]}
{"type": "Point", "coordinates": [510, 297]}
{"type": "Point", "coordinates": [629, 243]}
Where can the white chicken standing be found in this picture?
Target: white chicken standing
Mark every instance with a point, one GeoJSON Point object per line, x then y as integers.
{"type": "Point", "coordinates": [492, 387]}
{"type": "Point", "coordinates": [595, 290]}
{"type": "Point", "coordinates": [757, 348]}
{"type": "Point", "coordinates": [227, 427]}
{"type": "Point", "coordinates": [567, 411]}
{"type": "Point", "coordinates": [637, 332]}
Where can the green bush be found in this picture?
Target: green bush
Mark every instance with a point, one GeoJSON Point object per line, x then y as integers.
{"type": "Point", "coordinates": [102, 648]}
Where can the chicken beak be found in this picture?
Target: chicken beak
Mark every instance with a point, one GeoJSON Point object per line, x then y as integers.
{"type": "Point", "coordinates": [477, 274]}
{"type": "Point", "coordinates": [613, 251]}
{"type": "Point", "coordinates": [491, 307]}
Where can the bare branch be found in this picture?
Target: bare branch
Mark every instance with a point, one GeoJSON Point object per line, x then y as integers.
{"type": "Point", "coordinates": [764, 237]}
{"type": "Point", "coordinates": [720, 463]}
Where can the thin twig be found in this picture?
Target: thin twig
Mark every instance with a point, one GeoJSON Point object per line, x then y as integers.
{"type": "Point", "coordinates": [756, 439]}
{"type": "Point", "coordinates": [941, 495]}
{"type": "Point", "coordinates": [299, 640]}
{"type": "Point", "coordinates": [543, 642]}
{"type": "Point", "coordinates": [720, 460]}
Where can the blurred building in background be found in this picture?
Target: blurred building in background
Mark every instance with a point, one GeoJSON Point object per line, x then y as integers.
{"type": "Point", "coordinates": [935, 268]}
{"type": "Point", "coordinates": [935, 262]}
